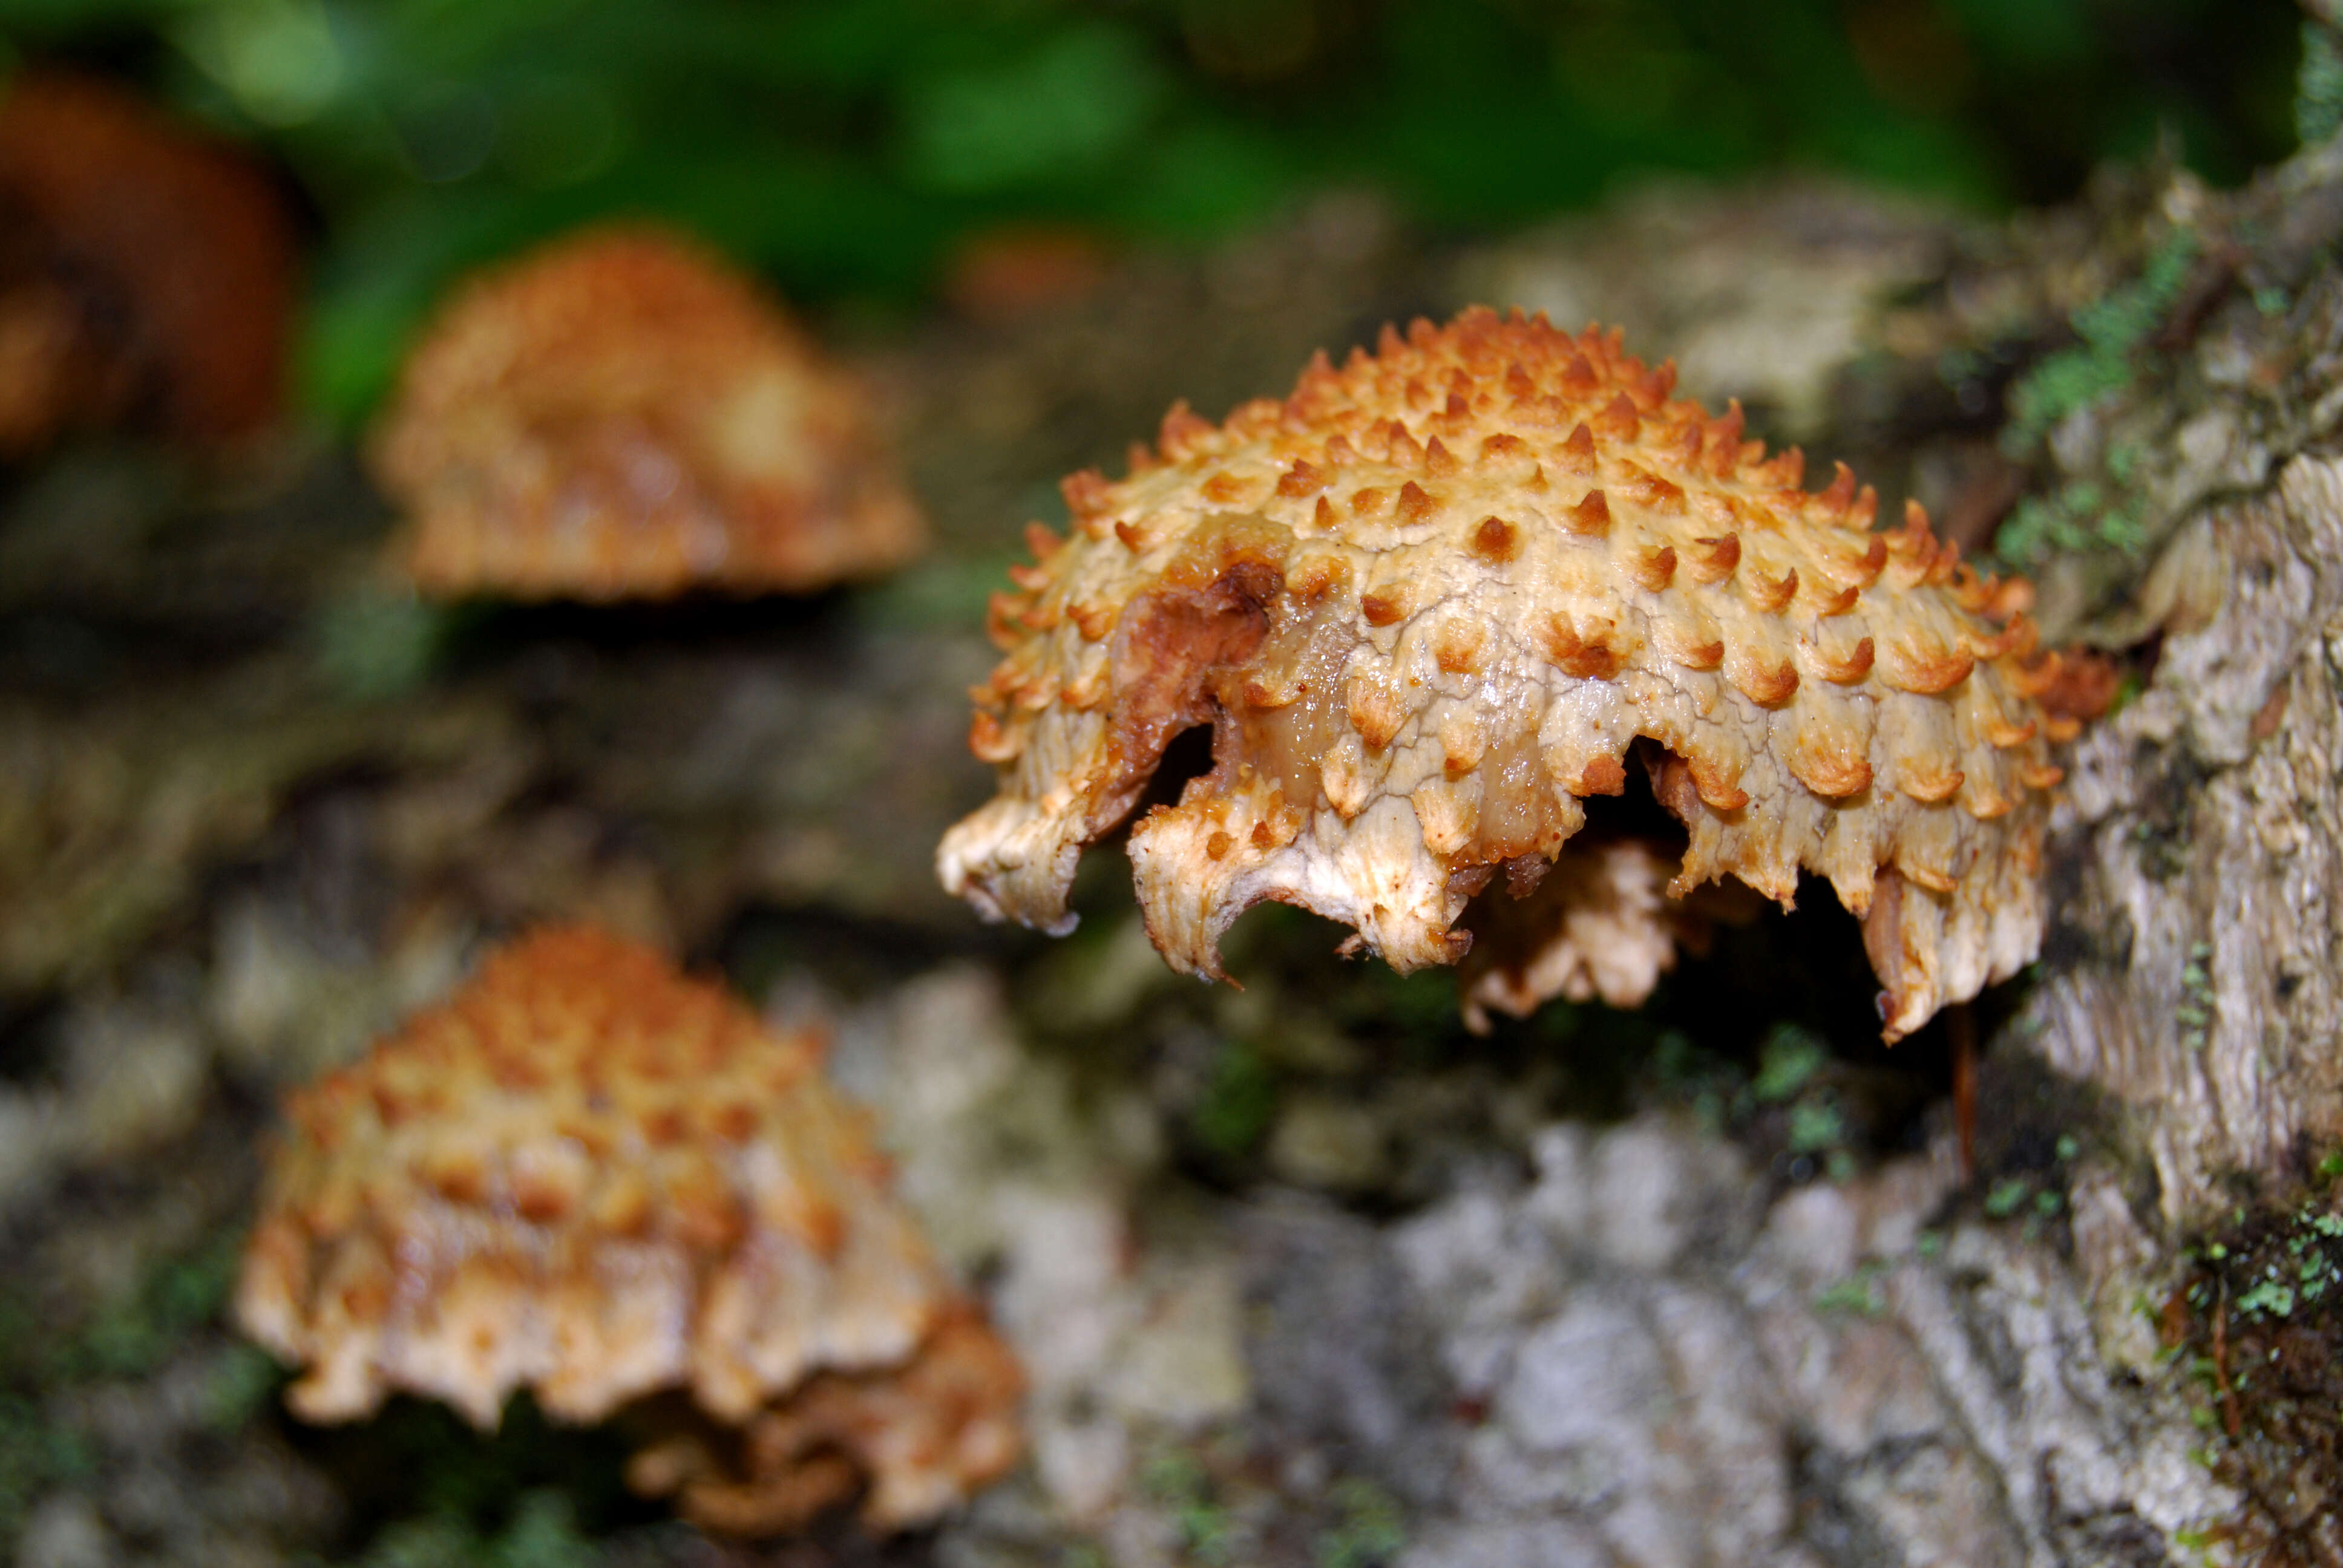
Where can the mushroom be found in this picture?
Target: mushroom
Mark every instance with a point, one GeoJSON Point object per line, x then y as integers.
{"type": "Point", "coordinates": [147, 274]}
{"type": "Point", "coordinates": [1435, 601]}
{"type": "Point", "coordinates": [590, 1176]}
{"type": "Point", "coordinates": [621, 415]}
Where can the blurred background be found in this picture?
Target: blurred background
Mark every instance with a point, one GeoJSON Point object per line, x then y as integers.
{"type": "Point", "coordinates": [863, 152]}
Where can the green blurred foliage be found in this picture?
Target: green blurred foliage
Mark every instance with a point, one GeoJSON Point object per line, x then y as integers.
{"type": "Point", "coordinates": [1372, 1530]}
{"type": "Point", "coordinates": [542, 1533]}
{"type": "Point", "coordinates": [2318, 97]}
{"type": "Point", "coordinates": [845, 147]}
{"type": "Point", "coordinates": [139, 1332]}
{"type": "Point", "coordinates": [1239, 1102]}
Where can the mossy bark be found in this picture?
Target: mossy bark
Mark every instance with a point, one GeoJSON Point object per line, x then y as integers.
{"type": "Point", "coordinates": [2191, 975]}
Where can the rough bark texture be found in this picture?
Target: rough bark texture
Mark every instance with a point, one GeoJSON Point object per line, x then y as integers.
{"type": "Point", "coordinates": [2193, 979]}
{"type": "Point", "coordinates": [2199, 942]}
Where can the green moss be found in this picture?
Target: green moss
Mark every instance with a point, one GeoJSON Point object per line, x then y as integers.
{"type": "Point", "coordinates": [946, 594]}
{"type": "Point", "coordinates": [2275, 1273]}
{"type": "Point", "coordinates": [1239, 1102]}
{"type": "Point", "coordinates": [242, 1384]}
{"type": "Point", "coordinates": [2077, 516]}
{"type": "Point", "coordinates": [23, 1341]}
{"type": "Point", "coordinates": [424, 1544]}
{"type": "Point", "coordinates": [2195, 1014]}
{"type": "Point", "coordinates": [541, 1534]}
{"type": "Point", "coordinates": [2008, 1197]}
{"type": "Point", "coordinates": [2319, 86]}
{"type": "Point", "coordinates": [1678, 1072]}
{"type": "Point", "coordinates": [2083, 513]}
{"type": "Point", "coordinates": [2112, 329]}
{"type": "Point", "coordinates": [372, 643]}
{"type": "Point", "coordinates": [2256, 1330]}
{"type": "Point", "coordinates": [1208, 1535]}
{"type": "Point", "coordinates": [1817, 1125]}
{"type": "Point", "coordinates": [1859, 1294]}
{"type": "Point", "coordinates": [35, 1456]}
{"type": "Point", "coordinates": [136, 1335]}
{"type": "Point", "coordinates": [1420, 1009]}
{"type": "Point", "coordinates": [180, 1301]}
{"type": "Point", "coordinates": [1790, 1057]}
{"type": "Point", "coordinates": [1371, 1531]}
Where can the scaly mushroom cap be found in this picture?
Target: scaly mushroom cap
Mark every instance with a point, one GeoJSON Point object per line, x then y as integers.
{"type": "Point", "coordinates": [590, 1176]}
{"type": "Point", "coordinates": [623, 416]}
{"type": "Point", "coordinates": [147, 274]}
{"type": "Point", "coordinates": [1433, 600]}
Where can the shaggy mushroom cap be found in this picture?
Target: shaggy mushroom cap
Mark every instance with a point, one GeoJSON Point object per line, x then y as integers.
{"type": "Point", "coordinates": [623, 416]}
{"type": "Point", "coordinates": [147, 274]}
{"type": "Point", "coordinates": [589, 1176]}
{"type": "Point", "coordinates": [1435, 599]}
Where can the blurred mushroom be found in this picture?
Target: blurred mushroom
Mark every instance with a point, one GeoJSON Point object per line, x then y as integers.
{"type": "Point", "coordinates": [925, 1434]}
{"type": "Point", "coordinates": [1002, 275]}
{"type": "Point", "coordinates": [146, 274]}
{"type": "Point", "coordinates": [1435, 600]}
{"type": "Point", "coordinates": [623, 416]}
{"type": "Point", "coordinates": [588, 1176]}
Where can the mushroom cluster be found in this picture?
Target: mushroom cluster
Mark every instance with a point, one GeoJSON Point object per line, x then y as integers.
{"type": "Point", "coordinates": [1437, 598]}
{"type": "Point", "coordinates": [621, 415]}
{"type": "Point", "coordinates": [590, 1176]}
{"type": "Point", "coordinates": [146, 276]}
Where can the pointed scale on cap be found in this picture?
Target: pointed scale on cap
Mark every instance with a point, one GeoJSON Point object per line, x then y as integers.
{"type": "Point", "coordinates": [1432, 599]}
